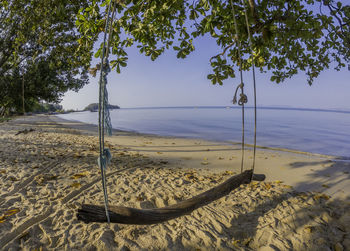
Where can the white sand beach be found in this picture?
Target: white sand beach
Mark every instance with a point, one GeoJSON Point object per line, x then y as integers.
{"type": "Point", "coordinates": [47, 173]}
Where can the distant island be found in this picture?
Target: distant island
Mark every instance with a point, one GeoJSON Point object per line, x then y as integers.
{"type": "Point", "coordinates": [94, 107]}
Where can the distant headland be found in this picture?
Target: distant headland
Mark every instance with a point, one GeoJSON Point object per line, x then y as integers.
{"type": "Point", "coordinates": [94, 107]}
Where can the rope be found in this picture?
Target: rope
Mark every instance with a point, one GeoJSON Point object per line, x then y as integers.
{"type": "Point", "coordinates": [103, 112]}
{"type": "Point", "coordinates": [254, 84]}
{"type": "Point", "coordinates": [107, 69]}
{"type": "Point", "coordinates": [243, 97]}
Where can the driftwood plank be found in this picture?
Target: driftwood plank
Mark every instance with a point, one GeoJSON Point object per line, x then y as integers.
{"type": "Point", "coordinates": [127, 215]}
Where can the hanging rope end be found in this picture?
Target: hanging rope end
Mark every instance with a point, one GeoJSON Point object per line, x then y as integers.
{"type": "Point", "coordinates": [243, 98]}
{"type": "Point", "coordinates": [234, 100]}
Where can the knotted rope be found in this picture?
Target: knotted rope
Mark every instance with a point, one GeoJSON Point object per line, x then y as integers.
{"type": "Point", "coordinates": [106, 117]}
{"type": "Point", "coordinates": [103, 111]}
{"type": "Point", "coordinates": [243, 98]}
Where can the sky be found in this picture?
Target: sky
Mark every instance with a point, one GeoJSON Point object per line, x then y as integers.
{"type": "Point", "coordinates": [169, 81]}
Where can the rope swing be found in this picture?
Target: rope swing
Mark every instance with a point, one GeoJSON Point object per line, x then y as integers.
{"type": "Point", "coordinates": [126, 215]}
{"type": "Point", "coordinates": [243, 98]}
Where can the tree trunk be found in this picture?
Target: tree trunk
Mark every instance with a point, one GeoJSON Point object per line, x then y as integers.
{"type": "Point", "coordinates": [127, 215]}
{"type": "Point", "coordinates": [24, 112]}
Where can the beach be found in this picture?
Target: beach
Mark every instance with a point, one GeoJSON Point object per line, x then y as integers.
{"type": "Point", "coordinates": [48, 169]}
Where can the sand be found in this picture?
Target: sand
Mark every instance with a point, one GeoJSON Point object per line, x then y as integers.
{"type": "Point", "coordinates": [46, 175]}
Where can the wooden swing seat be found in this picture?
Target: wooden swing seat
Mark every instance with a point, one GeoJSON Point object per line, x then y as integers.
{"type": "Point", "coordinates": [126, 215]}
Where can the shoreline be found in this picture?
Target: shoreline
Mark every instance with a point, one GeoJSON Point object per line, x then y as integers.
{"type": "Point", "coordinates": [290, 178]}
{"type": "Point", "coordinates": [294, 170]}
{"type": "Point", "coordinates": [93, 128]}
{"type": "Point", "coordinates": [47, 173]}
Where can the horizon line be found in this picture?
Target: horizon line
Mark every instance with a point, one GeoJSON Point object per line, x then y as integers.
{"type": "Point", "coordinates": [339, 110]}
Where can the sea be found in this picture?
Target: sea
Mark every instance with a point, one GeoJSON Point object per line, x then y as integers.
{"type": "Point", "coordinates": [318, 131]}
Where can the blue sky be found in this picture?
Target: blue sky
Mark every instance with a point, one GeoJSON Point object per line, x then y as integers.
{"type": "Point", "coordinates": [169, 81]}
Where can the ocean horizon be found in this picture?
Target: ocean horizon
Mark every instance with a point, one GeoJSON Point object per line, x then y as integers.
{"type": "Point", "coordinates": [319, 131]}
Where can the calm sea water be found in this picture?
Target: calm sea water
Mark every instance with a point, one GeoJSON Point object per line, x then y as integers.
{"type": "Point", "coordinates": [315, 131]}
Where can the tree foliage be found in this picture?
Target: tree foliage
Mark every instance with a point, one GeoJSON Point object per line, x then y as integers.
{"type": "Point", "coordinates": [47, 108]}
{"type": "Point", "coordinates": [38, 47]}
{"type": "Point", "coordinates": [288, 36]}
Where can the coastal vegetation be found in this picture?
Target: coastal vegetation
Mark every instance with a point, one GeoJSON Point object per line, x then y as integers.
{"type": "Point", "coordinates": [47, 108]}
{"type": "Point", "coordinates": [38, 53]}
{"type": "Point", "coordinates": [94, 107]}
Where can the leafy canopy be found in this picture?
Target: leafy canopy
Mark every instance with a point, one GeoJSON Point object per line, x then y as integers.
{"type": "Point", "coordinates": [38, 46]}
{"type": "Point", "coordinates": [288, 36]}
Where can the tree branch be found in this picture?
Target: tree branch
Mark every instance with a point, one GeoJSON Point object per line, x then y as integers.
{"type": "Point", "coordinates": [224, 51]}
